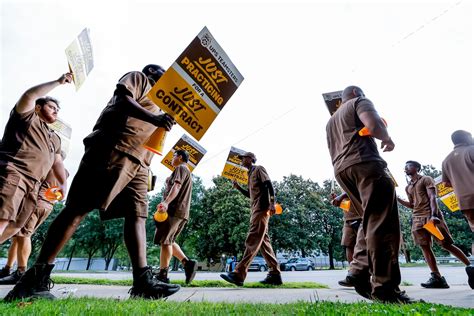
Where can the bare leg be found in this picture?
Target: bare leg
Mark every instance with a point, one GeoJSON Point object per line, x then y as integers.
{"type": "Point", "coordinates": [135, 241]}
{"type": "Point", "coordinates": [24, 251]}
{"type": "Point", "coordinates": [455, 251]}
{"type": "Point", "coordinates": [165, 256]}
{"type": "Point", "coordinates": [178, 253]}
{"type": "Point", "coordinates": [430, 259]}
{"type": "Point", "coordinates": [59, 233]}
{"type": "Point", "coordinates": [12, 252]}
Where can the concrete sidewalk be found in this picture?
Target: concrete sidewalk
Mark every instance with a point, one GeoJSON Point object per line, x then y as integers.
{"type": "Point", "coordinates": [460, 294]}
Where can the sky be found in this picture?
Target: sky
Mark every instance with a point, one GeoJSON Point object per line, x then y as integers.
{"type": "Point", "coordinates": [413, 59]}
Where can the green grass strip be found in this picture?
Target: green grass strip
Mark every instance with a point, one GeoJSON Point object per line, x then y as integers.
{"type": "Point", "coordinates": [94, 306]}
{"type": "Point", "coordinates": [195, 283]}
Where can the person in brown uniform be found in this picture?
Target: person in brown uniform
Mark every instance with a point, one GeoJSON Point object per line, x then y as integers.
{"type": "Point", "coordinates": [262, 200]}
{"type": "Point", "coordinates": [28, 150]}
{"type": "Point", "coordinates": [20, 248]}
{"type": "Point", "coordinates": [421, 192]}
{"type": "Point", "coordinates": [458, 171]}
{"type": "Point", "coordinates": [351, 225]}
{"type": "Point", "coordinates": [177, 202]}
{"type": "Point", "coordinates": [112, 177]}
{"type": "Point", "coordinates": [361, 172]}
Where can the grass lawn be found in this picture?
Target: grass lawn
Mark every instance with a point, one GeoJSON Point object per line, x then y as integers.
{"type": "Point", "coordinates": [195, 283]}
{"type": "Point", "coordinates": [93, 306]}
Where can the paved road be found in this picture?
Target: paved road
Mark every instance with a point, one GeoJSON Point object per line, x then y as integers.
{"type": "Point", "coordinates": [460, 294]}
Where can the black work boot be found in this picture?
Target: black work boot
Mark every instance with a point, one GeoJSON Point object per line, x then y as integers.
{"type": "Point", "coordinates": [162, 275]}
{"type": "Point", "coordinates": [190, 268]}
{"type": "Point", "coordinates": [470, 276]}
{"type": "Point", "coordinates": [435, 282]}
{"type": "Point", "coordinates": [12, 278]}
{"type": "Point", "coordinates": [361, 283]}
{"type": "Point", "coordinates": [35, 283]}
{"type": "Point", "coordinates": [396, 297]}
{"type": "Point", "coordinates": [272, 279]}
{"type": "Point", "coordinates": [5, 271]}
{"type": "Point", "coordinates": [233, 278]}
{"type": "Point", "coordinates": [346, 282]}
{"type": "Point", "coordinates": [146, 286]}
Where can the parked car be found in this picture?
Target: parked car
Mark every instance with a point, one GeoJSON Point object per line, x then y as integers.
{"type": "Point", "coordinates": [300, 264]}
{"type": "Point", "coordinates": [258, 264]}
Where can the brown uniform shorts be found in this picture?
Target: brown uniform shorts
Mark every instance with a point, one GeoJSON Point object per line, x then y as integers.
{"type": "Point", "coordinates": [117, 186]}
{"type": "Point", "coordinates": [166, 232]}
{"type": "Point", "coordinates": [42, 211]}
{"type": "Point", "coordinates": [349, 233]}
{"type": "Point", "coordinates": [423, 238]}
{"type": "Point", "coordinates": [18, 195]}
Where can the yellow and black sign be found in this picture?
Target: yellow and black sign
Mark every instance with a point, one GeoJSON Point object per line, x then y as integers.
{"type": "Point", "coordinates": [233, 169]}
{"type": "Point", "coordinates": [196, 152]}
{"type": "Point", "coordinates": [197, 85]}
{"type": "Point", "coordinates": [446, 195]}
{"type": "Point", "coordinates": [333, 100]}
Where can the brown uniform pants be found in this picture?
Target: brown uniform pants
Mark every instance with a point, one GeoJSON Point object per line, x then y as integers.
{"type": "Point", "coordinates": [378, 240]}
{"type": "Point", "coordinates": [257, 239]}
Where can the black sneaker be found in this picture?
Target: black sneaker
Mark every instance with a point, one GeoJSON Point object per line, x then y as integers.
{"type": "Point", "coordinates": [190, 269]}
{"type": "Point", "coordinates": [272, 279]}
{"type": "Point", "coordinates": [400, 297]}
{"type": "Point", "coordinates": [146, 286]}
{"type": "Point", "coordinates": [361, 283]}
{"type": "Point", "coordinates": [4, 272]}
{"type": "Point", "coordinates": [346, 282]}
{"type": "Point", "coordinates": [232, 277]}
{"type": "Point", "coordinates": [435, 282]}
{"type": "Point", "coordinates": [12, 278]}
{"type": "Point", "coordinates": [35, 283]}
{"type": "Point", "coordinates": [470, 276]}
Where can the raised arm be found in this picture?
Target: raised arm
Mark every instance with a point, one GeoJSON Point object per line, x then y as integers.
{"type": "Point", "coordinates": [28, 99]}
{"type": "Point", "coordinates": [240, 189]}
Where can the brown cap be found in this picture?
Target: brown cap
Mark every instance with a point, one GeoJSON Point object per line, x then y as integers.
{"type": "Point", "coordinates": [248, 154]}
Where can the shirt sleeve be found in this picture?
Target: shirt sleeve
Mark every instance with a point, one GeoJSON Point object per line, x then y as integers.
{"type": "Point", "coordinates": [131, 84]}
{"type": "Point", "coordinates": [262, 174]}
{"type": "Point", "coordinates": [365, 105]}
{"type": "Point", "coordinates": [429, 182]}
{"type": "Point", "coordinates": [180, 175]}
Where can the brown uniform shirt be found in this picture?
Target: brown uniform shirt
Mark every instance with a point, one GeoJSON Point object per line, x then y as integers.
{"type": "Point", "coordinates": [417, 191]}
{"type": "Point", "coordinates": [179, 207]}
{"type": "Point", "coordinates": [259, 195]}
{"type": "Point", "coordinates": [115, 128]}
{"type": "Point", "coordinates": [458, 168]}
{"type": "Point", "coordinates": [29, 145]}
{"type": "Point", "coordinates": [346, 147]}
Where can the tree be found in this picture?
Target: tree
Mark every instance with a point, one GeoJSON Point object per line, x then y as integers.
{"type": "Point", "coordinates": [112, 239]}
{"type": "Point", "coordinates": [296, 229]}
{"type": "Point", "coordinates": [331, 223]}
{"type": "Point", "coordinates": [220, 223]}
{"type": "Point", "coordinates": [90, 235]}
